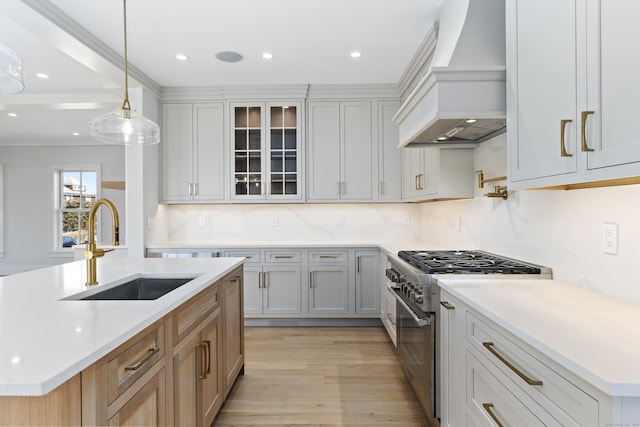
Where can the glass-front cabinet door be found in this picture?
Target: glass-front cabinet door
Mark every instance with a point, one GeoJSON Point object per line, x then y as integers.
{"type": "Point", "coordinates": [266, 154]}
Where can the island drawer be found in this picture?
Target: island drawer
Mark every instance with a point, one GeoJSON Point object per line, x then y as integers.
{"type": "Point", "coordinates": [282, 256]}
{"type": "Point", "coordinates": [130, 363]}
{"type": "Point", "coordinates": [552, 390]}
{"type": "Point", "coordinates": [194, 311]}
{"type": "Point", "coordinates": [327, 256]}
{"type": "Point", "coordinates": [252, 257]}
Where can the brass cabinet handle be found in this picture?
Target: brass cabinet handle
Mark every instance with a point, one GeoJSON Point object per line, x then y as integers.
{"type": "Point", "coordinates": [420, 181]}
{"type": "Point", "coordinates": [584, 116]}
{"type": "Point", "coordinates": [417, 186]}
{"type": "Point", "coordinates": [203, 372]}
{"type": "Point", "coordinates": [563, 149]}
{"type": "Point", "coordinates": [207, 344]}
{"type": "Point", "coordinates": [259, 280]}
{"type": "Point", "coordinates": [489, 408]}
{"type": "Point", "coordinates": [195, 188]}
{"type": "Point", "coordinates": [446, 305]}
{"type": "Point", "coordinates": [358, 264]}
{"type": "Point", "coordinates": [530, 381]}
{"type": "Point", "coordinates": [150, 353]}
{"type": "Point", "coordinates": [283, 257]}
{"type": "Point", "coordinates": [343, 185]}
{"type": "Point", "coordinates": [328, 257]}
{"type": "Point", "coordinates": [264, 280]}
{"type": "Point", "coordinates": [311, 280]}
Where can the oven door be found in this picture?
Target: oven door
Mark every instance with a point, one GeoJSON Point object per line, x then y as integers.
{"type": "Point", "coordinates": [416, 348]}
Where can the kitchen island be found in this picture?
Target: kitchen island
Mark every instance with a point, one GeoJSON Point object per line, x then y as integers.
{"type": "Point", "coordinates": [99, 349]}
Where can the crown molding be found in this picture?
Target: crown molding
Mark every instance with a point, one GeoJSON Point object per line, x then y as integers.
{"type": "Point", "coordinates": [365, 91]}
{"type": "Point", "coordinates": [420, 63]}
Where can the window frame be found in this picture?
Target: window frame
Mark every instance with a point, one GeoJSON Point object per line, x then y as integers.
{"type": "Point", "coordinates": [56, 236]}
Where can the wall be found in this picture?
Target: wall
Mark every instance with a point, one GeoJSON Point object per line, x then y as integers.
{"type": "Point", "coordinates": [295, 222]}
{"type": "Point", "coordinates": [28, 192]}
{"type": "Point", "coordinates": [555, 228]}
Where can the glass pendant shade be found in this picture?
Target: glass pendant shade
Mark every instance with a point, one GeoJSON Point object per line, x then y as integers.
{"type": "Point", "coordinates": [10, 72]}
{"type": "Point", "coordinates": [125, 127]}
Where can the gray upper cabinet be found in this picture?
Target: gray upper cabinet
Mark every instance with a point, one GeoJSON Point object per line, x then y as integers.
{"type": "Point", "coordinates": [341, 151]}
{"type": "Point", "coordinates": [193, 152]}
{"type": "Point", "coordinates": [389, 156]}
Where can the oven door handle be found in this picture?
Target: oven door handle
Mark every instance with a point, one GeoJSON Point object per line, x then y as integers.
{"type": "Point", "coordinates": [419, 321]}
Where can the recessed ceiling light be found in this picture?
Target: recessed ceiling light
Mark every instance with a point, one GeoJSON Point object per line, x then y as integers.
{"type": "Point", "coordinates": [76, 134]}
{"type": "Point", "coordinates": [181, 57]}
{"type": "Point", "coordinates": [267, 55]}
{"type": "Point", "coordinates": [442, 138]}
{"type": "Point", "coordinates": [12, 115]}
{"type": "Point", "coordinates": [355, 54]}
{"type": "Point", "coordinates": [42, 76]}
{"type": "Point", "coordinates": [229, 56]}
{"type": "Point", "coordinates": [471, 120]}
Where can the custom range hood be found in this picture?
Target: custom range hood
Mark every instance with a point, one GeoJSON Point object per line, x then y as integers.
{"type": "Point", "coordinates": [462, 96]}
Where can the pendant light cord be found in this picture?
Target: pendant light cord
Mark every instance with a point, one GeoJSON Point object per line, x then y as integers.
{"type": "Point", "coordinates": [126, 106]}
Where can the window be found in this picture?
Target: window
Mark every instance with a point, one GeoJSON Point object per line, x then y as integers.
{"type": "Point", "coordinates": [77, 192]}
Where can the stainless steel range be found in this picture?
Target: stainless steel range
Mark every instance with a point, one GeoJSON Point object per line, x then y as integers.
{"type": "Point", "coordinates": [413, 280]}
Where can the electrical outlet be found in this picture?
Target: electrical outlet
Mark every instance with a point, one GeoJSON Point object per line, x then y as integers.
{"type": "Point", "coordinates": [610, 238]}
{"type": "Point", "coordinates": [202, 221]}
{"type": "Point", "coordinates": [458, 224]}
{"type": "Point", "coordinates": [405, 220]}
{"type": "Point", "coordinates": [340, 221]}
{"type": "Point", "coordinates": [274, 221]}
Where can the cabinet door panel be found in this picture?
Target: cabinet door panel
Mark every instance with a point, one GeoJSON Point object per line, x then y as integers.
{"type": "Point", "coordinates": [544, 77]}
{"type": "Point", "coordinates": [187, 366]}
{"type": "Point", "coordinates": [252, 290]}
{"type": "Point", "coordinates": [281, 290]}
{"type": "Point", "coordinates": [324, 151]}
{"type": "Point", "coordinates": [209, 151]}
{"type": "Point", "coordinates": [357, 151]}
{"type": "Point", "coordinates": [177, 151]}
{"type": "Point", "coordinates": [367, 283]}
{"type": "Point", "coordinates": [614, 87]}
{"type": "Point", "coordinates": [212, 392]}
{"type": "Point", "coordinates": [389, 156]}
{"type": "Point", "coordinates": [329, 290]}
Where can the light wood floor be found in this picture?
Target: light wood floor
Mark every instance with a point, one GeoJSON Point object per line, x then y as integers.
{"type": "Point", "coordinates": [320, 377]}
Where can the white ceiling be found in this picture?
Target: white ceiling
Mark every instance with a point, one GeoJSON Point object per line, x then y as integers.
{"type": "Point", "coordinates": [310, 40]}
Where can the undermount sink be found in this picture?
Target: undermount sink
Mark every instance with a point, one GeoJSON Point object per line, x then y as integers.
{"type": "Point", "coordinates": [140, 288]}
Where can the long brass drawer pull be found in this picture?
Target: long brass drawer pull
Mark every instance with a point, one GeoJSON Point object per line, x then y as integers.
{"type": "Point", "coordinates": [283, 257]}
{"type": "Point", "coordinates": [489, 346]}
{"type": "Point", "coordinates": [563, 148]}
{"type": "Point", "coordinates": [328, 257]}
{"type": "Point", "coordinates": [446, 305]}
{"type": "Point", "coordinates": [585, 146]}
{"type": "Point", "coordinates": [489, 408]}
{"type": "Point", "coordinates": [207, 344]}
{"type": "Point", "coordinates": [150, 353]}
{"type": "Point", "coordinates": [203, 362]}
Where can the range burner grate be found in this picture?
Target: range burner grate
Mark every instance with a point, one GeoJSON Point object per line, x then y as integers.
{"type": "Point", "coordinates": [461, 262]}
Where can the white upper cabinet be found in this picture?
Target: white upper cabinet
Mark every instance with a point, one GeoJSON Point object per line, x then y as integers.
{"type": "Point", "coordinates": [266, 151]}
{"type": "Point", "coordinates": [571, 89]}
{"type": "Point", "coordinates": [193, 152]}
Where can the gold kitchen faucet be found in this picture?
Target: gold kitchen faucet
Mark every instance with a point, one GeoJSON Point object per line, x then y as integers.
{"type": "Point", "coordinates": [92, 252]}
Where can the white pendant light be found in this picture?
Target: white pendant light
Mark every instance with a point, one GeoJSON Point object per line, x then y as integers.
{"type": "Point", "coordinates": [125, 126]}
{"type": "Point", "coordinates": [10, 72]}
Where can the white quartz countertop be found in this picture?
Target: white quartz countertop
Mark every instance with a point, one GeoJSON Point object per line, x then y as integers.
{"type": "Point", "coordinates": [45, 341]}
{"type": "Point", "coordinates": [595, 336]}
{"type": "Point", "coordinates": [388, 246]}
